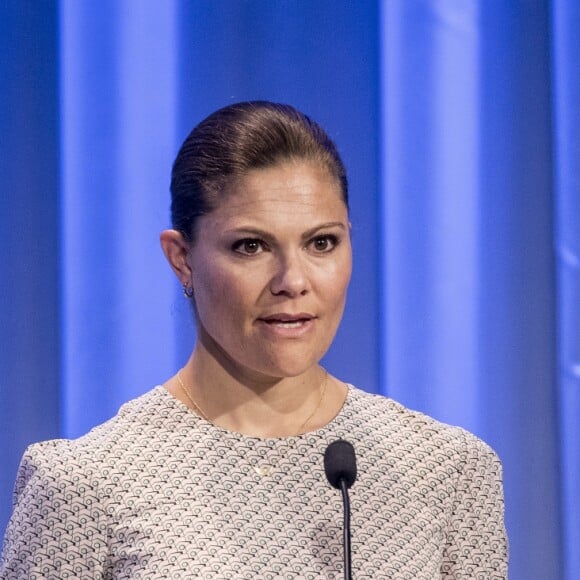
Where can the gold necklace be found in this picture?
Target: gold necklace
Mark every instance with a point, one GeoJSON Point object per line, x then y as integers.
{"type": "Point", "coordinates": [190, 398]}
{"type": "Point", "coordinates": [261, 470]}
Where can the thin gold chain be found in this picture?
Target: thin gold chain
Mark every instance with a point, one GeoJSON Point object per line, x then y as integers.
{"type": "Point", "coordinates": [266, 469]}
{"type": "Point", "coordinates": [190, 398]}
{"type": "Point", "coordinates": [322, 389]}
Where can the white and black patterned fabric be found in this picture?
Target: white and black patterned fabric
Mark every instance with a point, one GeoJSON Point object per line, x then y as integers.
{"type": "Point", "coordinates": [158, 492]}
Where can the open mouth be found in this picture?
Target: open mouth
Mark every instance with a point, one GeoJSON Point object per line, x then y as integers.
{"type": "Point", "coordinates": [283, 324]}
{"type": "Point", "coordinates": [288, 321]}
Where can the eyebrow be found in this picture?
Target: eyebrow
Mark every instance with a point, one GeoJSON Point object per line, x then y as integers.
{"type": "Point", "coordinates": [307, 234]}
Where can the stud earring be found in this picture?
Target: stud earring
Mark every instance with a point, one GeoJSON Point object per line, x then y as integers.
{"type": "Point", "coordinates": [187, 291]}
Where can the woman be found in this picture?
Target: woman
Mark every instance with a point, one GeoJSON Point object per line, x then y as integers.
{"type": "Point", "coordinates": [219, 472]}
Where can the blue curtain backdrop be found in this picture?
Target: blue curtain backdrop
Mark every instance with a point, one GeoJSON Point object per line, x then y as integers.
{"type": "Point", "coordinates": [459, 122]}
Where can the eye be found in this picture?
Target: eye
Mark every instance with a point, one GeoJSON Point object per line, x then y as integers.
{"type": "Point", "coordinates": [248, 246]}
{"type": "Point", "coordinates": [325, 243]}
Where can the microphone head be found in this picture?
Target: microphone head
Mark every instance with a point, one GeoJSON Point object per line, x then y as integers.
{"type": "Point", "coordinates": [340, 463]}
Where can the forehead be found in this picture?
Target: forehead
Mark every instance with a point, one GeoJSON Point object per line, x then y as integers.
{"type": "Point", "coordinates": [287, 190]}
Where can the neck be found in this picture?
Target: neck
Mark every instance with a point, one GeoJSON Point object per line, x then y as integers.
{"type": "Point", "coordinates": [254, 404]}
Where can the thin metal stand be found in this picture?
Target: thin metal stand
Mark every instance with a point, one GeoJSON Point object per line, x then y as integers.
{"type": "Point", "coordinates": [346, 530]}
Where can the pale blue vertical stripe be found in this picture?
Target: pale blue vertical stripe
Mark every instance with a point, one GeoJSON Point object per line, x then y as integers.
{"type": "Point", "coordinates": [566, 75]}
{"type": "Point", "coordinates": [452, 396]}
{"type": "Point", "coordinates": [118, 100]}
{"type": "Point", "coordinates": [430, 181]}
{"type": "Point", "coordinates": [148, 92]}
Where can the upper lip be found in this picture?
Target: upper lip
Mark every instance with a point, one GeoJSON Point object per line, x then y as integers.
{"type": "Point", "coordinates": [286, 317]}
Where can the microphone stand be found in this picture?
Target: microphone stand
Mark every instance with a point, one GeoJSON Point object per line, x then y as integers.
{"type": "Point", "coordinates": [346, 529]}
{"type": "Point", "coordinates": [340, 470]}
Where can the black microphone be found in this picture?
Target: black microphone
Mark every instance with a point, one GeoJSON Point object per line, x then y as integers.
{"type": "Point", "coordinates": [340, 469]}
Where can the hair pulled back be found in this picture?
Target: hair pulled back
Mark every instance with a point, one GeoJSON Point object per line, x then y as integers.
{"type": "Point", "coordinates": [233, 141]}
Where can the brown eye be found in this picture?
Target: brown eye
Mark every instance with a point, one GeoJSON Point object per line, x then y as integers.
{"type": "Point", "coordinates": [324, 244]}
{"type": "Point", "coordinates": [248, 246]}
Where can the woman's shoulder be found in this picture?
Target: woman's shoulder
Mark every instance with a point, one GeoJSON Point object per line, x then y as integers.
{"type": "Point", "coordinates": [393, 423]}
{"type": "Point", "coordinates": [59, 516]}
{"type": "Point", "coordinates": [138, 419]}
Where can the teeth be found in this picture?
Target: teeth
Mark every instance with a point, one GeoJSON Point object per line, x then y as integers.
{"type": "Point", "coordinates": [293, 324]}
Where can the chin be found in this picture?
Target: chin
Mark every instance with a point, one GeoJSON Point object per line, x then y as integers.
{"type": "Point", "coordinates": [288, 367]}
{"type": "Point", "coordinates": [280, 361]}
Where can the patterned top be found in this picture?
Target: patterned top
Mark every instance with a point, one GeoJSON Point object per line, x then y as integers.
{"type": "Point", "coordinates": [158, 492]}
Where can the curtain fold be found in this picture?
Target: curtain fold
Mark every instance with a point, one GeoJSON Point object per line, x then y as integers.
{"type": "Point", "coordinates": [118, 97]}
{"type": "Point", "coordinates": [566, 79]}
{"type": "Point", "coordinates": [468, 267]}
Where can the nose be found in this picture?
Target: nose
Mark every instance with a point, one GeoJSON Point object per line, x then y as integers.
{"type": "Point", "coordinates": [291, 277]}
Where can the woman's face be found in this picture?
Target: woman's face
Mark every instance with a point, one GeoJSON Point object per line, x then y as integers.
{"type": "Point", "coordinates": [270, 269]}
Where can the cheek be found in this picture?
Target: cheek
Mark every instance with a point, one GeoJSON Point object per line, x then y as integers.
{"type": "Point", "coordinates": [225, 293]}
{"type": "Point", "coordinates": [338, 279]}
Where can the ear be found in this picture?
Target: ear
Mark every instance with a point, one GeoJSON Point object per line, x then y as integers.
{"type": "Point", "coordinates": [176, 250]}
